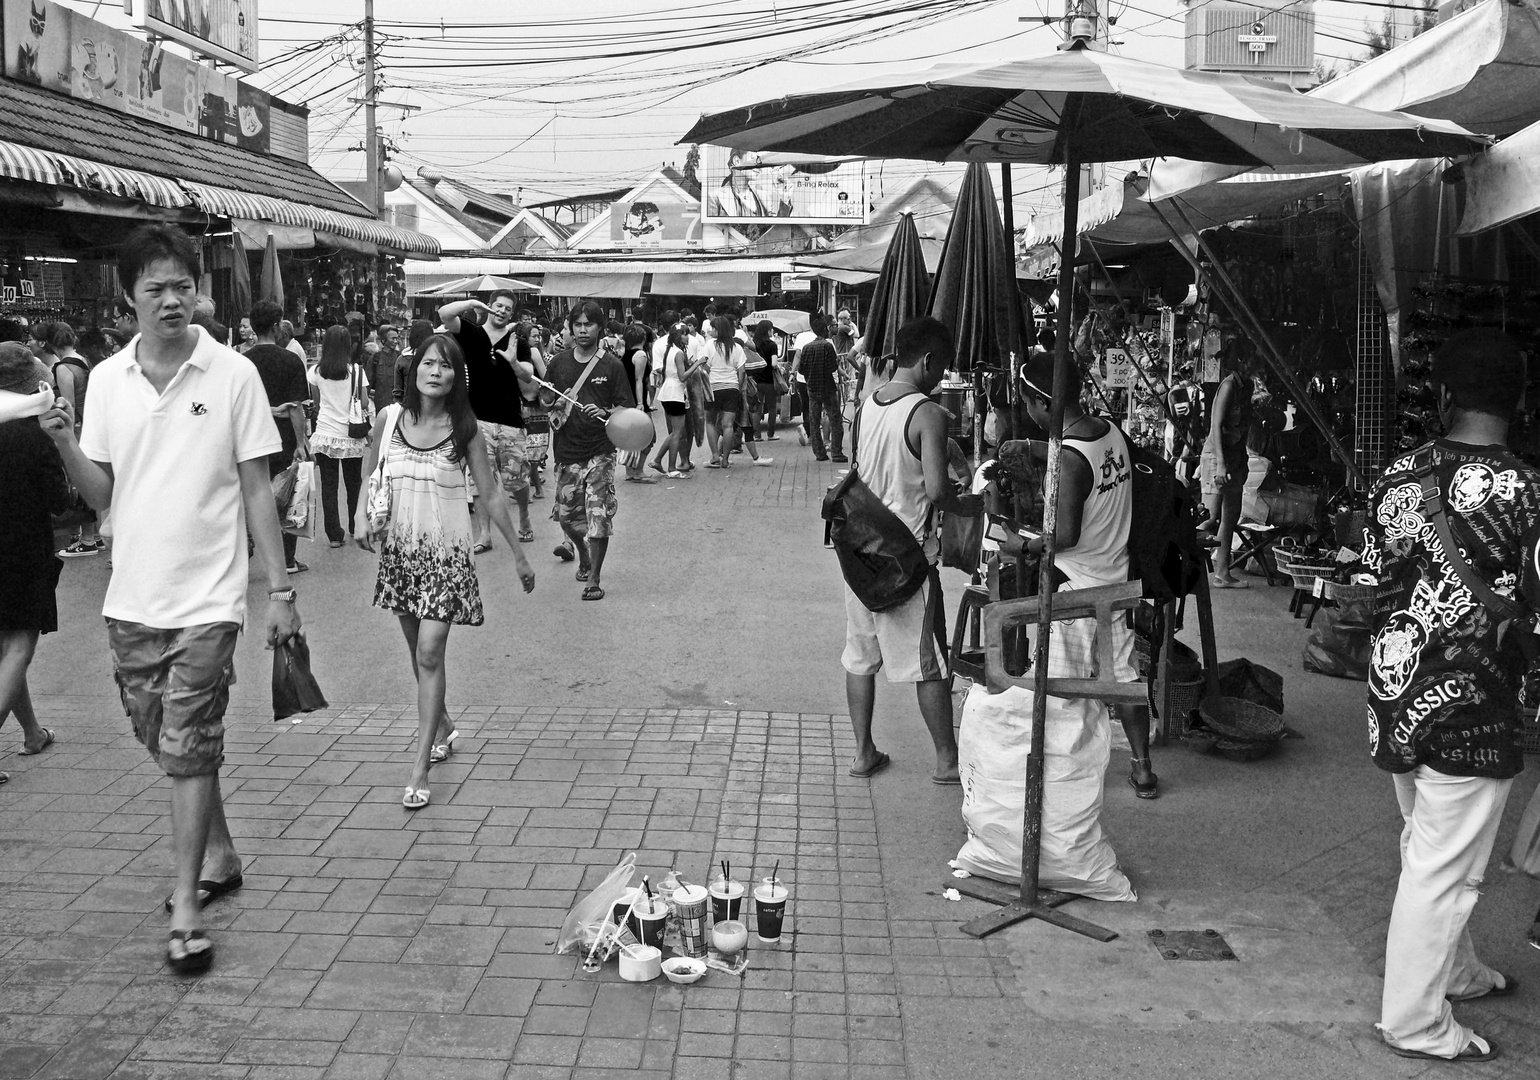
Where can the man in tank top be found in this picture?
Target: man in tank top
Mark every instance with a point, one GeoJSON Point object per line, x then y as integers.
{"type": "Point", "coordinates": [1096, 506]}
{"type": "Point", "coordinates": [899, 439]}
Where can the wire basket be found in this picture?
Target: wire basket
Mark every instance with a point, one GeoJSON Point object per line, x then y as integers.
{"type": "Point", "coordinates": [1186, 691]}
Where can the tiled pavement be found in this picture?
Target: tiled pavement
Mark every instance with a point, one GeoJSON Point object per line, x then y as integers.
{"type": "Point", "coordinates": [369, 942]}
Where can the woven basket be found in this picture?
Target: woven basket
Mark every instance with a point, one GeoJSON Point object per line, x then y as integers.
{"type": "Point", "coordinates": [1349, 594]}
{"type": "Point", "coordinates": [1305, 573]}
{"type": "Point", "coordinates": [1236, 720]}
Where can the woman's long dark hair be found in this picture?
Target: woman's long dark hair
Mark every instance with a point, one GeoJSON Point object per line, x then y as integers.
{"type": "Point", "coordinates": [462, 422]}
{"type": "Point", "coordinates": [336, 353]}
{"type": "Point", "coordinates": [726, 335]}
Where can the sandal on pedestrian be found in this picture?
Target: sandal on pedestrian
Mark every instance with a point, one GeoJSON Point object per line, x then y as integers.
{"type": "Point", "coordinates": [1226, 583]}
{"type": "Point", "coordinates": [1148, 789]}
{"type": "Point", "coordinates": [564, 552]}
{"type": "Point", "coordinates": [593, 592]}
{"type": "Point", "coordinates": [582, 574]}
{"type": "Point", "coordinates": [47, 742]}
{"type": "Point", "coordinates": [209, 891]}
{"type": "Point", "coordinates": [481, 549]}
{"type": "Point", "coordinates": [1510, 984]}
{"type": "Point", "coordinates": [415, 798]}
{"type": "Point", "coordinates": [1480, 1048]}
{"type": "Point", "coordinates": [880, 762]}
{"type": "Point", "coordinates": [657, 467]}
{"type": "Point", "coordinates": [526, 536]}
{"type": "Point", "coordinates": [189, 952]}
{"type": "Point", "coordinates": [5, 778]}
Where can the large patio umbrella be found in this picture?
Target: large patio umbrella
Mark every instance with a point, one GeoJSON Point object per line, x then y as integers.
{"type": "Point", "coordinates": [240, 275]}
{"type": "Point", "coordinates": [480, 284]}
{"type": "Point", "coordinates": [901, 291]}
{"type": "Point", "coordinates": [975, 289]}
{"type": "Point", "coordinates": [1077, 106]}
{"type": "Point", "coordinates": [272, 277]}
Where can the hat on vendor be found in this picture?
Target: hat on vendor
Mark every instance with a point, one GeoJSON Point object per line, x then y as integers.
{"type": "Point", "coordinates": [20, 372]}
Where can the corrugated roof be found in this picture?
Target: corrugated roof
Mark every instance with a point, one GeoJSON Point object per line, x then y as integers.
{"type": "Point", "coordinates": [40, 118]}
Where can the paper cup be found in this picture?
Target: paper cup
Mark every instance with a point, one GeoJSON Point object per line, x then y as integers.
{"type": "Point", "coordinates": [618, 912]}
{"type": "Point", "coordinates": [726, 901]}
{"type": "Point", "coordinates": [770, 908]}
{"type": "Point", "coordinates": [690, 905]}
{"type": "Point", "coordinates": [647, 921]}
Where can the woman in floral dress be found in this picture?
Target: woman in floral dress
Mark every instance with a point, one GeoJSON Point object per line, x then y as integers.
{"type": "Point", "coordinates": [427, 573]}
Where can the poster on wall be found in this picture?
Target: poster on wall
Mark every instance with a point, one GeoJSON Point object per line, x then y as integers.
{"type": "Point", "coordinates": [749, 188]}
{"type": "Point", "coordinates": [654, 215]}
{"type": "Point", "coordinates": [223, 29]}
{"type": "Point", "coordinates": [49, 45]}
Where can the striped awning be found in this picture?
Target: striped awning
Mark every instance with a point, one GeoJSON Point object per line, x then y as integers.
{"type": "Point", "coordinates": [19, 162]}
{"type": "Point", "coordinates": [223, 202]}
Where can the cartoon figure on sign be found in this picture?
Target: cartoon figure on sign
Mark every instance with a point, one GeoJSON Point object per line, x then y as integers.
{"type": "Point", "coordinates": [28, 52]}
{"type": "Point", "coordinates": [643, 225]}
{"type": "Point", "coordinates": [96, 66]}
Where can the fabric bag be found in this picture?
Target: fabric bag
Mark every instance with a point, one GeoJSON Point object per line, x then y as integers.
{"type": "Point", "coordinates": [304, 504]}
{"type": "Point", "coordinates": [992, 744]}
{"type": "Point", "coordinates": [1341, 642]}
{"type": "Point", "coordinates": [294, 687]}
{"type": "Point", "coordinates": [881, 560]}
{"type": "Point", "coordinates": [358, 407]}
{"type": "Point", "coordinates": [562, 407]}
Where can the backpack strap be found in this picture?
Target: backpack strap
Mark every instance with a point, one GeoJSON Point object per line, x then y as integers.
{"type": "Point", "coordinates": [1433, 510]}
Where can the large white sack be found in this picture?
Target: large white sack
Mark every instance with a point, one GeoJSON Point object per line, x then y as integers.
{"type": "Point", "coordinates": [992, 749]}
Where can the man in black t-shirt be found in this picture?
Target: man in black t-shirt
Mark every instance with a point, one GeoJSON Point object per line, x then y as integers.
{"type": "Point", "coordinates": [495, 376]}
{"type": "Point", "coordinates": [283, 377]}
{"type": "Point", "coordinates": [1444, 679]}
{"type": "Point", "coordinates": [585, 502]}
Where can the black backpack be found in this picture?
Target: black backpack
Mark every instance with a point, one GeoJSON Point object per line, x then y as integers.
{"type": "Point", "coordinates": [1163, 536]}
{"type": "Point", "coordinates": [883, 563]}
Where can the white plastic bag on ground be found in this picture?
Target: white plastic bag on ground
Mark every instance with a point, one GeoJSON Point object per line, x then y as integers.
{"type": "Point", "coordinates": [993, 744]}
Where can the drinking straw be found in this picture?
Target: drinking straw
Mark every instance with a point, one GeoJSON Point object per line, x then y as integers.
{"type": "Point", "coordinates": [614, 937]}
{"type": "Point", "coordinates": [725, 875]}
{"type": "Point", "coordinates": [774, 874]}
{"type": "Point", "coordinates": [647, 885]}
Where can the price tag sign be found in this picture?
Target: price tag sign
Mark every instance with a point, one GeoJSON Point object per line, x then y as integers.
{"type": "Point", "coordinates": [8, 295]}
{"type": "Point", "coordinates": [1120, 369]}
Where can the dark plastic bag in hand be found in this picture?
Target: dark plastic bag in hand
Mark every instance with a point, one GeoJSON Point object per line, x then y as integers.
{"type": "Point", "coordinates": [294, 687]}
{"type": "Point", "coordinates": [961, 536]}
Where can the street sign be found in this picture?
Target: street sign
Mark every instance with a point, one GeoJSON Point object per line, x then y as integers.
{"type": "Point", "coordinates": [788, 283]}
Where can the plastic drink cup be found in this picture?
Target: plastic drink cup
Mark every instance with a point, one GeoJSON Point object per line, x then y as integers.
{"type": "Point", "coordinates": [618, 912]}
{"type": "Point", "coordinates": [770, 898]}
{"type": "Point", "coordinates": [690, 905]}
{"type": "Point", "coordinates": [726, 901]}
{"type": "Point", "coordinates": [647, 920]}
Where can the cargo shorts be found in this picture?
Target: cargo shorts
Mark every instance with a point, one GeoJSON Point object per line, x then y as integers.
{"type": "Point", "coordinates": [585, 496]}
{"type": "Point", "coordinates": [175, 686]}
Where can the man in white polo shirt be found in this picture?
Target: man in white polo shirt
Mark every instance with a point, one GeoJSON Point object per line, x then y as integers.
{"type": "Point", "coordinates": [180, 453]}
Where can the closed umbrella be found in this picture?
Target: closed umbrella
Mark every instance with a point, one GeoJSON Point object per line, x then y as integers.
{"type": "Point", "coordinates": [479, 284]}
{"type": "Point", "coordinates": [1076, 106]}
{"type": "Point", "coordinates": [901, 291]}
{"type": "Point", "coordinates": [272, 278]}
{"type": "Point", "coordinates": [975, 288]}
{"type": "Point", "coordinates": [240, 275]}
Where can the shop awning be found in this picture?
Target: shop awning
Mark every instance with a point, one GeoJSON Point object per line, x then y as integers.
{"type": "Point", "coordinates": [18, 162]}
{"type": "Point", "coordinates": [619, 285]}
{"type": "Point", "coordinates": [223, 202]}
{"type": "Point", "coordinates": [706, 283]}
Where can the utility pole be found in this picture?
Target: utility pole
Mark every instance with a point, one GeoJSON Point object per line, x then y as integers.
{"type": "Point", "coordinates": [371, 133]}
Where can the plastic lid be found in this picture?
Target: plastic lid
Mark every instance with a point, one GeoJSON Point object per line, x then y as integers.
{"type": "Point", "coordinates": [689, 894]}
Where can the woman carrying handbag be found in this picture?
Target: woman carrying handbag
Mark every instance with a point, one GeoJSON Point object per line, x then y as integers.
{"type": "Point", "coordinates": [342, 426]}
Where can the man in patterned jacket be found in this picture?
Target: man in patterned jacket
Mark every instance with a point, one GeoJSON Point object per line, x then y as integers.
{"type": "Point", "coordinates": [1447, 666]}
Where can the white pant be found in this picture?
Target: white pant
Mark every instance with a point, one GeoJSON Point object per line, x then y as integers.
{"type": "Point", "coordinates": [1451, 822]}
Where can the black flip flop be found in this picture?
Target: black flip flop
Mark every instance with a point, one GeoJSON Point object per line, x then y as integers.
{"type": "Point", "coordinates": [882, 762]}
{"type": "Point", "coordinates": [209, 891]}
{"type": "Point", "coordinates": [1150, 790]}
{"type": "Point", "coordinates": [192, 961]}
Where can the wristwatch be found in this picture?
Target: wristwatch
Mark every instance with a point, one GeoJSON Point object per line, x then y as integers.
{"type": "Point", "coordinates": [288, 595]}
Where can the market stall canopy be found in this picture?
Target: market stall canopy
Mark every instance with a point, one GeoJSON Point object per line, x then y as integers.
{"type": "Point", "coordinates": [223, 202]}
{"type": "Point", "coordinates": [614, 284]}
{"type": "Point", "coordinates": [841, 277]}
{"type": "Point", "coordinates": [1214, 204]}
{"type": "Point", "coordinates": [1124, 109]}
{"type": "Point", "coordinates": [867, 258]}
{"type": "Point", "coordinates": [479, 284]}
{"type": "Point", "coordinates": [1502, 185]}
{"type": "Point", "coordinates": [1480, 69]}
{"type": "Point", "coordinates": [705, 283]}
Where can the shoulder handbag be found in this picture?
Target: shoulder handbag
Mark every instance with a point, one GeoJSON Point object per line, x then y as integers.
{"type": "Point", "coordinates": [358, 409]}
{"type": "Point", "coordinates": [881, 561]}
{"type": "Point", "coordinates": [378, 497]}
